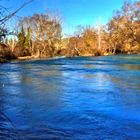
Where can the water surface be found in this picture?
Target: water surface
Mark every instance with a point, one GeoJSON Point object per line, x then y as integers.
{"type": "Point", "coordinates": [79, 98]}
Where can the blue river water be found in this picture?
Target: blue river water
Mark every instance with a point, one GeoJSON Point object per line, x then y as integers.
{"type": "Point", "coordinates": [81, 98]}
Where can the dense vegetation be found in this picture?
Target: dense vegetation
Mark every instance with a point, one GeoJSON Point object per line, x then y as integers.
{"type": "Point", "coordinates": [40, 35]}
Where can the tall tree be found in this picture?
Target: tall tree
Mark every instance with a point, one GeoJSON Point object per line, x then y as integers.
{"type": "Point", "coordinates": [45, 33]}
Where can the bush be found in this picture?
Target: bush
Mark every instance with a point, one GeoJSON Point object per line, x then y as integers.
{"type": "Point", "coordinates": [20, 51]}
{"type": "Point", "coordinates": [5, 52]}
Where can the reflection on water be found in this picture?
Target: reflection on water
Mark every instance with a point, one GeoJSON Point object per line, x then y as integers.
{"type": "Point", "coordinates": [77, 98]}
{"type": "Point", "coordinates": [131, 66]}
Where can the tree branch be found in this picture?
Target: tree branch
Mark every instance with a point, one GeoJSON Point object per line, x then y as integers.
{"type": "Point", "coordinates": [2, 21]}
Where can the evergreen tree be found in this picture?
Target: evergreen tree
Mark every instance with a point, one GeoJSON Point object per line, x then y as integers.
{"type": "Point", "coordinates": [21, 37]}
{"type": "Point", "coordinates": [28, 38]}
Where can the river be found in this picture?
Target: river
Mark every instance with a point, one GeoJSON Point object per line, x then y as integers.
{"type": "Point", "coordinates": [81, 98]}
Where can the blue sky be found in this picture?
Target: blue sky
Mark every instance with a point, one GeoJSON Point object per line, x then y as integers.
{"type": "Point", "coordinates": [73, 12]}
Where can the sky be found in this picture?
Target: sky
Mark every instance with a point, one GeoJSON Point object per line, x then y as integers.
{"type": "Point", "coordinates": [72, 12]}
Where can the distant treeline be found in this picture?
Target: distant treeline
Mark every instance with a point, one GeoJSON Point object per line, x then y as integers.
{"type": "Point", "coordinates": [40, 35]}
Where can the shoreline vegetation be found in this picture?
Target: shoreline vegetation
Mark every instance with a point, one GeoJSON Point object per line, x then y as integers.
{"type": "Point", "coordinates": [40, 36]}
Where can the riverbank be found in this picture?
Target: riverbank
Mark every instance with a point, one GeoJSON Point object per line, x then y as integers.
{"type": "Point", "coordinates": [7, 55]}
{"type": "Point", "coordinates": [30, 58]}
{"type": "Point", "coordinates": [3, 60]}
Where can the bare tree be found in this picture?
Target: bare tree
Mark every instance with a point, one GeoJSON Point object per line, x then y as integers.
{"type": "Point", "coordinates": [45, 34]}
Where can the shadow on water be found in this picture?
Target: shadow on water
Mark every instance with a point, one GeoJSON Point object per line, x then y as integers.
{"type": "Point", "coordinates": [71, 98]}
